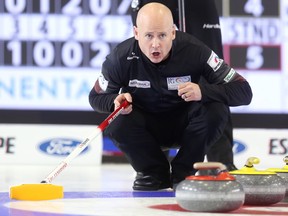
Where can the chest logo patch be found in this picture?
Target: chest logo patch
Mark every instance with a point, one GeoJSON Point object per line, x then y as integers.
{"type": "Point", "coordinates": [139, 84]}
{"type": "Point", "coordinates": [173, 82]}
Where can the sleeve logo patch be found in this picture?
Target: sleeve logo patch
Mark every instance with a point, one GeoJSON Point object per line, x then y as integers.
{"type": "Point", "coordinates": [229, 75]}
{"type": "Point", "coordinates": [103, 83]}
{"type": "Point", "coordinates": [214, 61]}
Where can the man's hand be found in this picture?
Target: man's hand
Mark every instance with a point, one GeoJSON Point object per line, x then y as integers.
{"type": "Point", "coordinates": [189, 91]}
{"type": "Point", "coordinates": [120, 99]}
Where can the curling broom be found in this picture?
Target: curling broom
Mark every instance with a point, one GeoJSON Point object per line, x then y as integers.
{"type": "Point", "coordinates": [45, 190]}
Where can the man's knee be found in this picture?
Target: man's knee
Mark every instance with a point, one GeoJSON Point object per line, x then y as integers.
{"type": "Point", "coordinates": [217, 114]}
{"type": "Point", "coordinates": [117, 129]}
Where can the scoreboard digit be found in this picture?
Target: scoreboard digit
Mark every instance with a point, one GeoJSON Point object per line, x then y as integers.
{"type": "Point", "coordinates": [255, 57]}
{"type": "Point", "coordinates": [254, 8]}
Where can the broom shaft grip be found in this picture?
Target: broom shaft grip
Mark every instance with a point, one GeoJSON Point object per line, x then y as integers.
{"type": "Point", "coordinates": [79, 148]}
{"type": "Point", "coordinates": [181, 14]}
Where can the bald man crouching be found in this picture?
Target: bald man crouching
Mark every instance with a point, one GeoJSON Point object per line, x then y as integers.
{"type": "Point", "coordinates": [158, 72]}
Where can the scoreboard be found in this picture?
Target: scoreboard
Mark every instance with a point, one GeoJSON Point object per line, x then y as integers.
{"type": "Point", "coordinates": [254, 35]}
{"type": "Point", "coordinates": [51, 51]}
{"type": "Point", "coordinates": [57, 33]}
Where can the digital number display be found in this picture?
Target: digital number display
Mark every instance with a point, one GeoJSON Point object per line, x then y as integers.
{"type": "Point", "coordinates": [255, 8]}
{"type": "Point", "coordinates": [248, 8]}
{"type": "Point", "coordinates": [255, 57]}
{"type": "Point", "coordinates": [45, 53]}
{"type": "Point", "coordinates": [51, 51]}
{"type": "Point", "coordinates": [73, 33]}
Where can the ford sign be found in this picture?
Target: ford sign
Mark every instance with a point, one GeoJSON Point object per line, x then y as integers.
{"type": "Point", "coordinates": [238, 147]}
{"type": "Point", "coordinates": [59, 146]}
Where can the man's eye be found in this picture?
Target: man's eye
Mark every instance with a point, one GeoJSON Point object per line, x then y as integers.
{"type": "Point", "coordinates": [149, 37]}
{"type": "Point", "coordinates": [162, 35]}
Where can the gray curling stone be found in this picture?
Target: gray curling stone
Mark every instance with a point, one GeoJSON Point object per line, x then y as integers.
{"type": "Point", "coordinates": [211, 193]}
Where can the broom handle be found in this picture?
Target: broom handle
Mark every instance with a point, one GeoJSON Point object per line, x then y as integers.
{"type": "Point", "coordinates": [85, 143]}
{"type": "Point", "coordinates": [181, 14]}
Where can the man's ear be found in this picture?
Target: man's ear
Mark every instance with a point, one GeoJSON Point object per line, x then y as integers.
{"type": "Point", "coordinates": [173, 32]}
{"type": "Point", "coordinates": [135, 31]}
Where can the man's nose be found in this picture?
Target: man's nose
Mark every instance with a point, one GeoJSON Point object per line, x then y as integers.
{"type": "Point", "coordinates": [155, 43]}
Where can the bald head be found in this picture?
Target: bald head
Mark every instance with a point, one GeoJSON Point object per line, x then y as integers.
{"type": "Point", "coordinates": [155, 31]}
{"type": "Point", "coordinates": [154, 13]}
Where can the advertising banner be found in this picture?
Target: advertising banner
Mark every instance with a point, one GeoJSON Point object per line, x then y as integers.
{"type": "Point", "coordinates": [269, 145]}
{"type": "Point", "coordinates": [26, 144]}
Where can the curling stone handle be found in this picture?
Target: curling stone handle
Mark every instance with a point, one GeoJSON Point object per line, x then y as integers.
{"type": "Point", "coordinates": [285, 159]}
{"type": "Point", "coordinates": [251, 161]}
{"type": "Point", "coordinates": [209, 165]}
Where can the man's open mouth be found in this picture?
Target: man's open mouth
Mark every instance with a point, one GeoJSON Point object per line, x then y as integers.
{"type": "Point", "coordinates": [155, 54]}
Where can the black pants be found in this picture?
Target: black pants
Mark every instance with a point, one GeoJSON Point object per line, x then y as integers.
{"type": "Point", "coordinates": [222, 149]}
{"type": "Point", "coordinates": [141, 136]}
